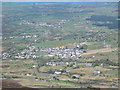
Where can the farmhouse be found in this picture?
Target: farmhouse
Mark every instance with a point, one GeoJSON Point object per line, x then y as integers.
{"type": "Point", "coordinates": [89, 64]}
{"type": "Point", "coordinates": [56, 72]}
{"type": "Point", "coordinates": [97, 72]}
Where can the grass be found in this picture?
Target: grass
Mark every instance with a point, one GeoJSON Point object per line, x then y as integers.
{"type": "Point", "coordinates": [55, 43]}
{"type": "Point", "coordinates": [95, 45]}
{"type": "Point", "coordinates": [35, 84]}
{"type": "Point", "coordinates": [113, 72]}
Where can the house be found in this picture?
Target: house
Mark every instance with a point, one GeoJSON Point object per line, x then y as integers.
{"type": "Point", "coordinates": [89, 64]}
{"type": "Point", "coordinates": [93, 56]}
{"type": "Point", "coordinates": [28, 74]}
{"type": "Point", "coordinates": [50, 55]}
{"type": "Point", "coordinates": [75, 66]}
{"type": "Point", "coordinates": [97, 72]}
{"type": "Point", "coordinates": [56, 72]}
{"type": "Point", "coordinates": [53, 78]}
{"type": "Point", "coordinates": [34, 66]}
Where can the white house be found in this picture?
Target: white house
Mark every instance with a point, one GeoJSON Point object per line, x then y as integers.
{"type": "Point", "coordinates": [97, 71]}
{"type": "Point", "coordinates": [89, 64]}
{"type": "Point", "coordinates": [34, 66]}
{"type": "Point", "coordinates": [56, 72]}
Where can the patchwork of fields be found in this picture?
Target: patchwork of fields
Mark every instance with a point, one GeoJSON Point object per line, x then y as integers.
{"type": "Point", "coordinates": [60, 45]}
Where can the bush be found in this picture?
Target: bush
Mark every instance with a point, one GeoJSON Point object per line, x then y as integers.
{"type": "Point", "coordinates": [95, 64]}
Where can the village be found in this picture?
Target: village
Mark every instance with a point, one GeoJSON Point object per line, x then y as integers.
{"type": "Point", "coordinates": [60, 52]}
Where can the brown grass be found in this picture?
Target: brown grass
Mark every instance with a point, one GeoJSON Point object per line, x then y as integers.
{"type": "Point", "coordinates": [99, 51]}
